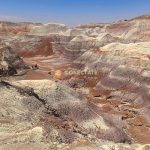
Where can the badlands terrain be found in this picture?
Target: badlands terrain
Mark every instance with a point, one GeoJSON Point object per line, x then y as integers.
{"type": "Point", "coordinates": [82, 88]}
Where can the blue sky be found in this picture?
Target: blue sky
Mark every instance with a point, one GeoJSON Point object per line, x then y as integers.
{"type": "Point", "coordinates": [72, 12]}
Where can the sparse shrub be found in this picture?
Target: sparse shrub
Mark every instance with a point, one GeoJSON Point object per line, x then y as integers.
{"type": "Point", "coordinates": [114, 134]}
{"type": "Point", "coordinates": [66, 136]}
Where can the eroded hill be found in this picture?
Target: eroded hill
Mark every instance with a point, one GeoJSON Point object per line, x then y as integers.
{"type": "Point", "coordinates": [90, 89]}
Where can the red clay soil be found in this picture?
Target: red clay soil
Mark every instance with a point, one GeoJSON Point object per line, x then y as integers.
{"type": "Point", "coordinates": [119, 27]}
{"type": "Point", "coordinates": [36, 75]}
{"type": "Point", "coordinates": [6, 29]}
{"type": "Point", "coordinates": [99, 97]}
{"type": "Point", "coordinates": [140, 134]}
{"type": "Point", "coordinates": [44, 48]}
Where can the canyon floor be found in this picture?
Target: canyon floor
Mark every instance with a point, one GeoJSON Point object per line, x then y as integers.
{"type": "Point", "coordinates": [82, 88]}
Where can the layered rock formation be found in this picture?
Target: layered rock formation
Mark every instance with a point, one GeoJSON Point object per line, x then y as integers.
{"type": "Point", "coordinates": [9, 61]}
{"type": "Point", "coordinates": [95, 93]}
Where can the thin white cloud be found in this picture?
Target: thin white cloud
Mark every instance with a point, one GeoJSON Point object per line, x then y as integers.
{"type": "Point", "coordinates": [11, 18]}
